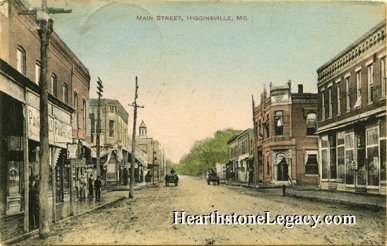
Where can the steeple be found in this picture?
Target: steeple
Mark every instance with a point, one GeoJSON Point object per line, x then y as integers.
{"type": "Point", "coordinates": [142, 130]}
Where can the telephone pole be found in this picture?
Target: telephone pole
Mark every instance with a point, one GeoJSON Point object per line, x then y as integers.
{"type": "Point", "coordinates": [133, 142]}
{"type": "Point", "coordinates": [45, 29]}
{"type": "Point", "coordinates": [99, 92]}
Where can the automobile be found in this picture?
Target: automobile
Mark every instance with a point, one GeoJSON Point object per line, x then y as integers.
{"type": "Point", "coordinates": [212, 177]}
{"type": "Point", "coordinates": [171, 178]}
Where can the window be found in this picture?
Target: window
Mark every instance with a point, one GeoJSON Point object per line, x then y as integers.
{"type": "Point", "coordinates": [372, 148]}
{"type": "Point", "coordinates": [347, 94]}
{"type": "Point", "coordinates": [267, 166]}
{"type": "Point", "coordinates": [37, 72]}
{"type": "Point", "coordinates": [111, 128]}
{"type": "Point", "coordinates": [279, 123]}
{"type": "Point", "coordinates": [338, 98]}
{"type": "Point", "coordinates": [340, 156]}
{"type": "Point", "coordinates": [76, 110]}
{"type": "Point", "coordinates": [332, 156]}
{"type": "Point", "coordinates": [358, 89]}
{"type": "Point", "coordinates": [65, 94]}
{"type": "Point", "coordinates": [112, 109]}
{"type": "Point", "coordinates": [383, 76]}
{"type": "Point", "coordinates": [21, 60]}
{"type": "Point", "coordinates": [324, 156]}
{"type": "Point", "coordinates": [311, 164]}
{"type": "Point", "coordinates": [349, 160]}
{"type": "Point", "coordinates": [330, 101]}
{"type": "Point", "coordinates": [84, 114]}
{"type": "Point", "coordinates": [370, 79]}
{"type": "Point", "coordinates": [322, 106]}
{"type": "Point", "coordinates": [92, 122]}
{"type": "Point", "coordinates": [54, 83]}
{"type": "Point", "coordinates": [311, 123]}
{"type": "Point", "coordinates": [267, 127]}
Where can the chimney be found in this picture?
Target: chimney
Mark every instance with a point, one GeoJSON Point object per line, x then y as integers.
{"type": "Point", "coordinates": [300, 89]}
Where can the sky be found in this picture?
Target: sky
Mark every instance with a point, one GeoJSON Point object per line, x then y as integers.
{"type": "Point", "coordinates": [198, 77]}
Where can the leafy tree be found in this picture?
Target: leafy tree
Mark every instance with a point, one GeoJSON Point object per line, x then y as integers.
{"type": "Point", "coordinates": [206, 153]}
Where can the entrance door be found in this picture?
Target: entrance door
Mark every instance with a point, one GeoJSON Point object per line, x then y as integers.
{"type": "Point", "coordinates": [282, 170]}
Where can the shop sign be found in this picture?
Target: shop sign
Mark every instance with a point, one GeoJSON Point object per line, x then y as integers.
{"type": "Point", "coordinates": [72, 151]}
{"type": "Point", "coordinates": [58, 132]}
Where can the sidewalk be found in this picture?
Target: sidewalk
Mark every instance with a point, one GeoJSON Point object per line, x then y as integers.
{"type": "Point", "coordinates": [108, 196]}
{"type": "Point", "coordinates": [312, 192]}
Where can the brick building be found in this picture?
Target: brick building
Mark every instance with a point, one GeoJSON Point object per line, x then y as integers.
{"type": "Point", "coordinates": [352, 116]}
{"type": "Point", "coordinates": [68, 83]}
{"type": "Point", "coordinates": [284, 134]}
{"type": "Point", "coordinates": [240, 153]}
{"type": "Point", "coordinates": [113, 139]}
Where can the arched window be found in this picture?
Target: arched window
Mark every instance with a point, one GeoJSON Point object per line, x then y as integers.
{"type": "Point", "coordinates": [84, 114]}
{"type": "Point", "coordinates": [21, 60]}
{"type": "Point", "coordinates": [54, 83]}
{"type": "Point", "coordinates": [65, 94]}
{"type": "Point", "coordinates": [37, 72]}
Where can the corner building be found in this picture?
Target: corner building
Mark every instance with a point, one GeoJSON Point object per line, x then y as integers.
{"type": "Point", "coordinates": [352, 116]}
{"type": "Point", "coordinates": [284, 134]}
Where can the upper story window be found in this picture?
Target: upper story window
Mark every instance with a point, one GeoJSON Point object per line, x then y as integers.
{"type": "Point", "coordinates": [322, 105]}
{"type": "Point", "coordinates": [84, 114]}
{"type": "Point", "coordinates": [370, 79]}
{"type": "Point", "coordinates": [383, 76]}
{"type": "Point", "coordinates": [311, 123]}
{"type": "Point", "coordinates": [338, 85]}
{"type": "Point", "coordinates": [21, 60]}
{"type": "Point", "coordinates": [76, 110]}
{"type": "Point", "coordinates": [358, 89]}
{"type": "Point", "coordinates": [54, 83]}
{"type": "Point", "coordinates": [279, 123]}
{"type": "Point", "coordinates": [267, 126]}
{"type": "Point", "coordinates": [37, 72]}
{"type": "Point", "coordinates": [330, 101]}
{"type": "Point", "coordinates": [65, 94]}
{"type": "Point", "coordinates": [112, 109]}
{"type": "Point", "coordinates": [347, 94]}
{"type": "Point", "coordinates": [111, 128]}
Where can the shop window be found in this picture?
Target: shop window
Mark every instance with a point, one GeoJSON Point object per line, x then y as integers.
{"type": "Point", "coordinates": [360, 160]}
{"type": "Point", "coordinates": [340, 156]}
{"type": "Point", "coordinates": [347, 94]}
{"type": "Point", "coordinates": [311, 164]}
{"type": "Point", "coordinates": [279, 123]}
{"type": "Point", "coordinates": [349, 160]}
{"type": "Point", "coordinates": [372, 149]}
{"type": "Point", "coordinates": [332, 157]}
{"type": "Point", "coordinates": [54, 83]}
{"type": "Point", "coordinates": [324, 157]}
{"type": "Point", "coordinates": [370, 79]}
{"type": "Point", "coordinates": [383, 159]}
{"type": "Point", "coordinates": [338, 85]}
{"type": "Point", "coordinates": [311, 124]}
{"type": "Point", "coordinates": [111, 128]}
{"type": "Point", "coordinates": [21, 60]}
{"type": "Point", "coordinates": [383, 77]}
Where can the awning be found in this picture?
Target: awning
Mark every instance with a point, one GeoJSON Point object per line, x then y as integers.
{"type": "Point", "coordinates": [84, 143]}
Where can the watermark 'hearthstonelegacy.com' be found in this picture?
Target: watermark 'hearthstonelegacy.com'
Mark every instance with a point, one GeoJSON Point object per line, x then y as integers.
{"type": "Point", "coordinates": [289, 221]}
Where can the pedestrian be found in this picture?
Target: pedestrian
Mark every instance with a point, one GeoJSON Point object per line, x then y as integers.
{"type": "Point", "coordinates": [91, 192]}
{"type": "Point", "coordinates": [98, 185]}
{"type": "Point", "coordinates": [77, 186]}
{"type": "Point", "coordinates": [83, 187]}
{"type": "Point", "coordinates": [32, 203]}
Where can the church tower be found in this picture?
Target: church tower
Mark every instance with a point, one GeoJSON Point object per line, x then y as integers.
{"type": "Point", "coordinates": [142, 130]}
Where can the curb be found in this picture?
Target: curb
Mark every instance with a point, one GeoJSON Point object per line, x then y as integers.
{"type": "Point", "coordinates": [36, 231]}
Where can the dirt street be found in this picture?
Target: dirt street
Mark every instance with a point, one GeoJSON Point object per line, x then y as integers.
{"type": "Point", "coordinates": [148, 219]}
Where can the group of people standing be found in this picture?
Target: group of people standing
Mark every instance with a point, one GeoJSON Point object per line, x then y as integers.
{"type": "Point", "coordinates": [85, 188]}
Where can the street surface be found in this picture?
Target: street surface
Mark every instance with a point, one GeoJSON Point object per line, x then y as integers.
{"type": "Point", "coordinates": [148, 219]}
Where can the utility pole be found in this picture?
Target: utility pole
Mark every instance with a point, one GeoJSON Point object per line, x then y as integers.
{"type": "Point", "coordinates": [99, 92]}
{"type": "Point", "coordinates": [133, 142]}
{"type": "Point", "coordinates": [45, 29]}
